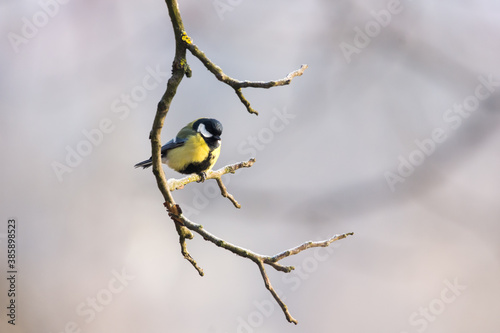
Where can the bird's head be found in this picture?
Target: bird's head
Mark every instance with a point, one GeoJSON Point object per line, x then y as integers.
{"type": "Point", "coordinates": [210, 129]}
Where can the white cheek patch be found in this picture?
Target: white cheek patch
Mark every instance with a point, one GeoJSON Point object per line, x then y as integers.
{"type": "Point", "coordinates": [203, 131]}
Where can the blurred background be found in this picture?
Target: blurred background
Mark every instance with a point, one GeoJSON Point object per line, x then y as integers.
{"type": "Point", "coordinates": [391, 133]}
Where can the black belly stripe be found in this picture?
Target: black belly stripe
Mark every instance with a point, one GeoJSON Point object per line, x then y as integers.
{"type": "Point", "coordinates": [198, 167]}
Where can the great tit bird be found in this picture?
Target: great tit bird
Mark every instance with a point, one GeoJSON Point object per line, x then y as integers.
{"type": "Point", "coordinates": [195, 149]}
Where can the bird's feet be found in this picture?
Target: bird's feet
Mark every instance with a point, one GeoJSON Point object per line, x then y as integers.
{"type": "Point", "coordinates": [203, 176]}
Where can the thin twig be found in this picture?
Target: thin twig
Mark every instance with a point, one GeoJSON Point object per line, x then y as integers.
{"type": "Point", "coordinates": [237, 84]}
{"type": "Point", "coordinates": [184, 251]}
{"type": "Point", "coordinates": [308, 245]}
{"type": "Point", "coordinates": [175, 184]}
{"type": "Point", "coordinates": [273, 292]}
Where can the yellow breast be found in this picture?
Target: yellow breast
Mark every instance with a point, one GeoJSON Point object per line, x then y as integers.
{"type": "Point", "coordinates": [195, 150]}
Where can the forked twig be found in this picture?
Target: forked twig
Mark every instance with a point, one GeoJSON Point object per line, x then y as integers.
{"type": "Point", "coordinates": [184, 226]}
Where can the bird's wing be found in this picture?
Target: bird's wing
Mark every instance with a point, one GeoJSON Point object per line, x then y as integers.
{"type": "Point", "coordinates": [174, 143]}
{"type": "Point", "coordinates": [186, 132]}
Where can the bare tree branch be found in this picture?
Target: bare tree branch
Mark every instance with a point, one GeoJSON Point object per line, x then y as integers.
{"type": "Point", "coordinates": [175, 184]}
{"type": "Point", "coordinates": [184, 226]}
{"type": "Point", "coordinates": [236, 84]}
{"type": "Point", "coordinates": [308, 245]}
{"type": "Point", "coordinates": [260, 259]}
{"type": "Point", "coordinates": [182, 241]}
{"type": "Point", "coordinates": [273, 292]}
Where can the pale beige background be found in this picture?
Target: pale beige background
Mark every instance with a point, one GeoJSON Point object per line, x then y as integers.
{"type": "Point", "coordinates": [319, 174]}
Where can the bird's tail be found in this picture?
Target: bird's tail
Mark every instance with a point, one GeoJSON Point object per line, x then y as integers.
{"type": "Point", "coordinates": [144, 164]}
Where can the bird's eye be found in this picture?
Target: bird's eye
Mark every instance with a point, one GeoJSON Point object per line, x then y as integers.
{"type": "Point", "coordinates": [203, 131]}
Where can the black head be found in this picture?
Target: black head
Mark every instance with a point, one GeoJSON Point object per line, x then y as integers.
{"type": "Point", "coordinates": [210, 129]}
